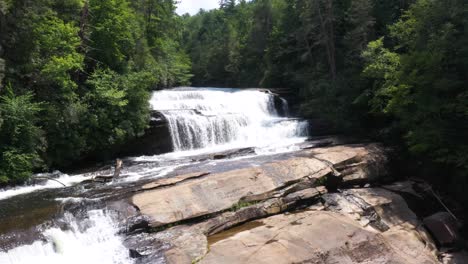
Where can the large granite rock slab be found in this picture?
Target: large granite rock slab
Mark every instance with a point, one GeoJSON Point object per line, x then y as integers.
{"type": "Point", "coordinates": [315, 237]}
{"type": "Point", "coordinates": [218, 192]}
{"type": "Point", "coordinates": [289, 208]}
{"type": "Point", "coordinates": [359, 225]}
{"type": "Point", "coordinates": [205, 194]}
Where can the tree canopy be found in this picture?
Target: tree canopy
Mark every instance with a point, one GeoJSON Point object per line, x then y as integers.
{"type": "Point", "coordinates": [394, 71]}
{"type": "Point", "coordinates": [79, 72]}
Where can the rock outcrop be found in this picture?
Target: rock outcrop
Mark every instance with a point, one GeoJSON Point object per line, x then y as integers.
{"type": "Point", "coordinates": [316, 237]}
{"type": "Point", "coordinates": [286, 209]}
{"type": "Point", "coordinates": [444, 228]}
{"type": "Point", "coordinates": [155, 140]}
{"type": "Point", "coordinates": [218, 192]}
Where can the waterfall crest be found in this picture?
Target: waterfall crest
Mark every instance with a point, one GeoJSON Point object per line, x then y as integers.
{"type": "Point", "coordinates": [204, 118]}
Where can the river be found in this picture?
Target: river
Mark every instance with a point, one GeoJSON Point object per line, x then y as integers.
{"type": "Point", "coordinates": [81, 222]}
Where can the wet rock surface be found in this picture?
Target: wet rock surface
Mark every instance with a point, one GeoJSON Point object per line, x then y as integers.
{"type": "Point", "coordinates": [233, 153]}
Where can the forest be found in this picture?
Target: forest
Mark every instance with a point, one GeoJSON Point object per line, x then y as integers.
{"type": "Point", "coordinates": [76, 75]}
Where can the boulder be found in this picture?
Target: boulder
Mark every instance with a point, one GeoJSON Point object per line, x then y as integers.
{"type": "Point", "coordinates": [444, 228]}
{"type": "Point", "coordinates": [367, 163]}
{"type": "Point", "coordinates": [373, 205]}
{"type": "Point", "coordinates": [380, 209]}
{"type": "Point", "coordinates": [156, 139]}
{"type": "Point", "coordinates": [146, 248]}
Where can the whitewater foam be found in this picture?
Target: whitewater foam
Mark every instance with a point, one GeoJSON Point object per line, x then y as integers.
{"type": "Point", "coordinates": [92, 241]}
{"type": "Point", "coordinates": [209, 118]}
{"type": "Point", "coordinates": [57, 182]}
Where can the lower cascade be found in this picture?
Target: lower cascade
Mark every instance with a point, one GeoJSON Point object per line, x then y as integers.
{"type": "Point", "coordinates": [210, 117]}
{"type": "Point", "coordinates": [90, 240]}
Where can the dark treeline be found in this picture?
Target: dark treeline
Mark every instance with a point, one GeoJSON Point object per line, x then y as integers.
{"type": "Point", "coordinates": [76, 76]}
{"type": "Point", "coordinates": [392, 70]}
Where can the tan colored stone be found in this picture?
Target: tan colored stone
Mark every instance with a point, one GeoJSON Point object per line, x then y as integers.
{"type": "Point", "coordinates": [391, 207]}
{"type": "Point", "coordinates": [192, 196]}
{"type": "Point", "coordinates": [310, 236]}
{"type": "Point", "coordinates": [218, 192]}
{"type": "Point", "coordinates": [173, 180]}
{"type": "Point", "coordinates": [316, 237]}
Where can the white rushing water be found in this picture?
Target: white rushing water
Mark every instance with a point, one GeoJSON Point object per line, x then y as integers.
{"type": "Point", "coordinates": [209, 118]}
{"type": "Point", "coordinates": [91, 241]}
{"type": "Point", "coordinates": [58, 180]}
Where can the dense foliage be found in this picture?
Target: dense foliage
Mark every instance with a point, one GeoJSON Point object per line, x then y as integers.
{"type": "Point", "coordinates": [79, 73]}
{"type": "Point", "coordinates": [313, 47]}
{"type": "Point", "coordinates": [421, 79]}
{"type": "Point", "coordinates": [394, 70]}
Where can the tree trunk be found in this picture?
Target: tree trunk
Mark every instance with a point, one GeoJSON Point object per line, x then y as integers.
{"type": "Point", "coordinates": [328, 32]}
{"type": "Point", "coordinates": [118, 168]}
{"type": "Point", "coordinates": [83, 23]}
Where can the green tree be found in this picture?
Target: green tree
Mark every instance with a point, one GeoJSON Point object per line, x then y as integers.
{"type": "Point", "coordinates": [423, 81]}
{"type": "Point", "coordinates": [91, 64]}
{"type": "Point", "coordinates": [114, 33]}
{"type": "Point", "coordinates": [21, 139]}
{"type": "Point", "coordinates": [55, 56]}
{"type": "Point", "coordinates": [117, 107]}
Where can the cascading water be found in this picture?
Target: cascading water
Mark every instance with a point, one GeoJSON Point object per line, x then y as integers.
{"type": "Point", "coordinates": [211, 117]}
{"type": "Point", "coordinates": [91, 240]}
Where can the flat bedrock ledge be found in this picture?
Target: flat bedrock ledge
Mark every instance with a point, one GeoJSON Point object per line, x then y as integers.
{"type": "Point", "coordinates": [363, 225]}
{"type": "Point", "coordinates": [306, 207]}
{"type": "Point", "coordinates": [211, 193]}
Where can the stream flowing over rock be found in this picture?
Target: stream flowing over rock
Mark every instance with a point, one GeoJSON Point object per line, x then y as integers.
{"type": "Point", "coordinates": [245, 184]}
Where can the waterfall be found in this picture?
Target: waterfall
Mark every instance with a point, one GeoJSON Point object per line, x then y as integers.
{"type": "Point", "coordinates": [93, 240]}
{"type": "Point", "coordinates": [199, 119]}
{"type": "Point", "coordinates": [285, 106]}
{"type": "Point", "coordinates": [203, 118]}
